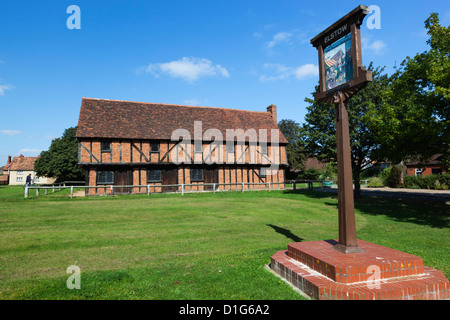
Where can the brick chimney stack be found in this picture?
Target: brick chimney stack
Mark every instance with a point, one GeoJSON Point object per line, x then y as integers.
{"type": "Point", "coordinates": [9, 160]}
{"type": "Point", "coordinates": [272, 109]}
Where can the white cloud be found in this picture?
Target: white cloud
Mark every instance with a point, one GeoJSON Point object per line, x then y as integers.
{"type": "Point", "coordinates": [189, 69]}
{"type": "Point", "coordinates": [278, 38]}
{"type": "Point", "coordinates": [277, 71]}
{"type": "Point", "coordinates": [306, 70]}
{"type": "Point", "coordinates": [376, 47]}
{"type": "Point", "coordinates": [195, 102]}
{"type": "Point", "coordinates": [4, 87]}
{"type": "Point", "coordinates": [10, 133]}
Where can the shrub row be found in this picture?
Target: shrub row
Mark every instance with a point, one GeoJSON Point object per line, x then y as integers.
{"type": "Point", "coordinates": [434, 181]}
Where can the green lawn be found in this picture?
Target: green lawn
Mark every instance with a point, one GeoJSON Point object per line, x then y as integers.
{"type": "Point", "coordinates": [192, 246]}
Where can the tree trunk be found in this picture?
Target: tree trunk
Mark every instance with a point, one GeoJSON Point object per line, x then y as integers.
{"type": "Point", "coordinates": [356, 173]}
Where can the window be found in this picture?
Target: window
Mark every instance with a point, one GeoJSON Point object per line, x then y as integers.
{"type": "Point", "coordinates": [418, 172]}
{"type": "Point", "coordinates": [19, 179]}
{"type": "Point", "coordinates": [264, 149]}
{"type": "Point", "coordinates": [19, 172]}
{"type": "Point", "coordinates": [154, 176]}
{"type": "Point", "coordinates": [105, 177]}
{"type": "Point", "coordinates": [36, 179]}
{"type": "Point", "coordinates": [154, 146]}
{"type": "Point", "coordinates": [436, 171]}
{"type": "Point", "coordinates": [196, 175]}
{"type": "Point", "coordinates": [262, 172]}
{"type": "Point", "coordinates": [230, 147]}
{"type": "Point", "coordinates": [198, 146]}
{"type": "Point", "coordinates": [106, 146]}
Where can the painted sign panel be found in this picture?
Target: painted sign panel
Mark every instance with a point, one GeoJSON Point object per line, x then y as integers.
{"type": "Point", "coordinates": [338, 62]}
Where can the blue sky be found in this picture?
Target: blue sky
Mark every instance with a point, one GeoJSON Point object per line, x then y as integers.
{"type": "Point", "coordinates": [231, 54]}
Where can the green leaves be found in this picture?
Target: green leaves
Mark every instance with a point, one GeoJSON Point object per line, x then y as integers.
{"type": "Point", "coordinates": [61, 160]}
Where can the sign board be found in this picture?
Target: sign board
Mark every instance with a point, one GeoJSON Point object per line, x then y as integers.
{"type": "Point", "coordinates": [340, 62]}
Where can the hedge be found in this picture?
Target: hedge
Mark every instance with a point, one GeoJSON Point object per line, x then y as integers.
{"type": "Point", "coordinates": [434, 181]}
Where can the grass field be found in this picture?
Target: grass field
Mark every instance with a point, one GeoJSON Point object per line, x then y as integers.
{"type": "Point", "coordinates": [192, 246]}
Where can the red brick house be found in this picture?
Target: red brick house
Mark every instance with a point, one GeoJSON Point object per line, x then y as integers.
{"type": "Point", "coordinates": [432, 166]}
{"type": "Point", "coordinates": [137, 143]}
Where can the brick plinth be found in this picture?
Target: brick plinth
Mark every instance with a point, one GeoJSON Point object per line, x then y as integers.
{"type": "Point", "coordinates": [378, 273]}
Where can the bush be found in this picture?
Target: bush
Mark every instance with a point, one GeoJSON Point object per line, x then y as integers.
{"type": "Point", "coordinates": [392, 176]}
{"type": "Point", "coordinates": [434, 181]}
{"type": "Point", "coordinates": [375, 182]}
{"type": "Point", "coordinates": [310, 174]}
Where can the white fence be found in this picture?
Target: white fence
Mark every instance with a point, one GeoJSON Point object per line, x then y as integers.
{"type": "Point", "coordinates": [180, 188]}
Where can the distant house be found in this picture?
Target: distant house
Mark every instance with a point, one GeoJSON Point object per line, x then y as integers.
{"type": "Point", "coordinates": [433, 166]}
{"type": "Point", "coordinates": [132, 143]}
{"type": "Point", "coordinates": [20, 167]}
{"type": "Point", "coordinates": [313, 163]}
{"type": "Point", "coordinates": [4, 172]}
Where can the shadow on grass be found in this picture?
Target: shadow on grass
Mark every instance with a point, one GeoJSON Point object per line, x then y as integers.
{"type": "Point", "coordinates": [286, 232]}
{"type": "Point", "coordinates": [430, 212]}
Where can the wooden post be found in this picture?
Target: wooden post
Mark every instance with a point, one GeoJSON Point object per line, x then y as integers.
{"type": "Point", "coordinates": [347, 226]}
{"type": "Point", "coordinates": [71, 191]}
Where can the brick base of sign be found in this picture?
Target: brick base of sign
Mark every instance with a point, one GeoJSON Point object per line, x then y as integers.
{"type": "Point", "coordinates": [377, 273]}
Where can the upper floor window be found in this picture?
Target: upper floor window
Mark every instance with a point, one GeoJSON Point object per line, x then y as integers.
{"type": "Point", "coordinates": [230, 146]}
{"type": "Point", "coordinates": [198, 146]}
{"type": "Point", "coordinates": [19, 172]}
{"type": "Point", "coordinates": [154, 146]}
{"type": "Point", "coordinates": [106, 146]}
{"type": "Point", "coordinates": [264, 149]}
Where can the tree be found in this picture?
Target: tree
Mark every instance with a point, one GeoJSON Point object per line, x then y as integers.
{"type": "Point", "coordinates": [414, 121]}
{"type": "Point", "coordinates": [295, 149]}
{"type": "Point", "coordinates": [320, 128]}
{"type": "Point", "coordinates": [61, 159]}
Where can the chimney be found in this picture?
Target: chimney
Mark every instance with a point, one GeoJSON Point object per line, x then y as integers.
{"type": "Point", "coordinates": [272, 109]}
{"type": "Point", "coordinates": [9, 160]}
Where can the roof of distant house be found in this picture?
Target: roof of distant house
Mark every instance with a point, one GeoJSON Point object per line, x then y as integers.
{"type": "Point", "coordinates": [100, 118]}
{"type": "Point", "coordinates": [434, 160]}
{"type": "Point", "coordinates": [22, 163]}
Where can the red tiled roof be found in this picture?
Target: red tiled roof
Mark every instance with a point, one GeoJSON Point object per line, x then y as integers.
{"type": "Point", "coordinates": [138, 120]}
{"type": "Point", "coordinates": [434, 160]}
{"type": "Point", "coordinates": [23, 163]}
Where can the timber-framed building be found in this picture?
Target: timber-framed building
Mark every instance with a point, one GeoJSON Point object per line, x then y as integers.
{"type": "Point", "coordinates": [135, 143]}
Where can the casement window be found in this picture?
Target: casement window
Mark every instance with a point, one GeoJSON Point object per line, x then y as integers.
{"type": "Point", "coordinates": [230, 147]}
{"type": "Point", "coordinates": [19, 172]}
{"type": "Point", "coordinates": [196, 175]}
{"type": "Point", "coordinates": [106, 146]}
{"type": "Point", "coordinates": [264, 149]}
{"type": "Point", "coordinates": [436, 171]}
{"type": "Point", "coordinates": [154, 176]}
{"type": "Point", "coordinates": [19, 179]}
{"type": "Point", "coordinates": [418, 172]}
{"type": "Point", "coordinates": [105, 177]}
{"type": "Point", "coordinates": [154, 146]}
{"type": "Point", "coordinates": [262, 172]}
{"type": "Point", "coordinates": [198, 146]}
